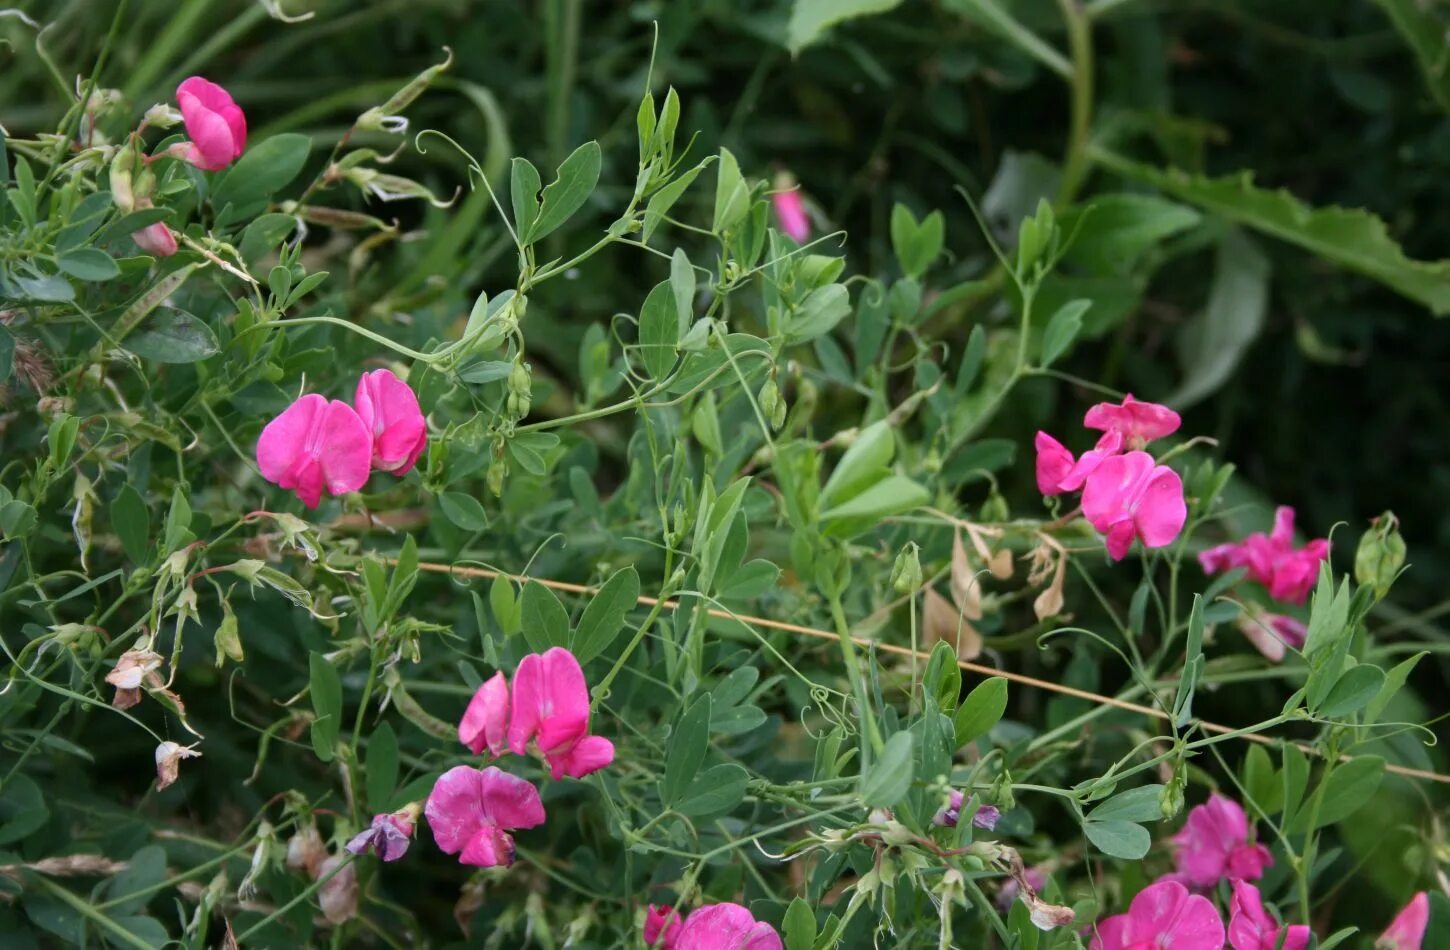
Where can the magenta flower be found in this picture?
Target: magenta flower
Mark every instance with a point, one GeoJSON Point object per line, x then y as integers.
{"type": "Point", "coordinates": [316, 444]}
{"type": "Point", "coordinates": [1272, 634]}
{"type": "Point", "coordinates": [1214, 845]}
{"type": "Point", "coordinates": [156, 240]}
{"type": "Point", "coordinates": [1251, 928]}
{"type": "Point", "coordinates": [1163, 914]}
{"type": "Point", "coordinates": [551, 711]}
{"type": "Point", "coordinates": [389, 410]}
{"type": "Point", "coordinates": [388, 836]}
{"type": "Point", "coordinates": [1128, 496]}
{"type": "Point", "coordinates": [790, 209]}
{"type": "Point", "coordinates": [485, 721]}
{"type": "Point", "coordinates": [985, 817]}
{"type": "Point", "coordinates": [1272, 559]}
{"type": "Point", "coordinates": [472, 810]}
{"type": "Point", "coordinates": [716, 927]}
{"type": "Point", "coordinates": [217, 127]}
{"type": "Point", "coordinates": [1058, 471]}
{"type": "Point", "coordinates": [1407, 930]}
{"type": "Point", "coordinates": [1137, 422]}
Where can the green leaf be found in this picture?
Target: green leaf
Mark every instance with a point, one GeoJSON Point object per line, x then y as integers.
{"type": "Point", "coordinates": [7, 355]}
{"type": "Point", "coordinates": [505, 606]}
{"type": "Point", "coordinates": [981, 710]}
{"type": "Point", "coordinates": [659, 330]}
{"type": "Point", "coordinates": [144, 870]}
{"type": "Point", "coordinates": [1213, 342]}
{"type": "Point", "coordinates": [916, 244]}
{"type": "Point", "coordinates": [893, 495]}
{"type": "Point", "coordinates": [1353, 691]}
{"type": "Point", "coordinates": [819, 313]}
{"type": "Point", "coordinates": [1114, 231]}
{"type": "Point", "coordinates": [663, 200]}
{"type": "Point", "coordinates": [545, 622]}
{"type": "Point", "coordinates": [1352, 238]}
{"type": "Point", "coordinates": [168, 335]}
{"type": "Point", "coordinates": [1062, 329]}
{"type": "Point", "coordinates": [263, 170]}
{"type": "Point", "coordinates": [732, 195]}
{"type": "Point", "coordinates": [682, 283]}
{"type": "Point", "coordinates": [1423, 28]}
{"type": "Point", "coordinates": [132, 524]}
{"type": "Point", "coordinates": [1119, 839]}
{"type": "Point", "coordinates": [178, 522]}
{"type": "Point", "coordinates": [382, 768]}
{"type": "Point", "coordinates": [524, 185]}
{"type": "Point", "coordinates": [465, 511]}
{"type": "Point", "coordinates": [686, 751]}
{"type": "Point", "coordinates": [862, 465]}
{"type": "Point", "coordinates": [1351, 786]}
{"type": "Point", "coordinates": [715, 791]}
{"type": "Point", "coordinates": [1328, 613]}
{"type": "Point", "coordinates": [1143, 803]}
{"type": "Point", "coordinates": [325, 690]}
{"type": "Point", "coordinates": [577, 176]}
{"type": "Point", "coordinates": [1192, 665]}
{"type": "Point", "coordinates": [1394, 682]}
{"type": "Point", "coordinates": [603, 619]}
{"type": "Point", "coordinates": [88, 264]}
{"type": "Point", "coordinates": [799, 926]}
{"type": "Point", "coordinates": [890, 776]}
{"type": "Point", "coordinates": [810, 19]}
{"type": "Point", "coordinates": [23, 809]}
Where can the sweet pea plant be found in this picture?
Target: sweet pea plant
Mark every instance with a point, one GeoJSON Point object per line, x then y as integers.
{"type": "Point", "coordinates": [340, 610]}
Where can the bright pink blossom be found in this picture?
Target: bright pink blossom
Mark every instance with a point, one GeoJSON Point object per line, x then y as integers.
{"type": "Point", "coordinates": [388, 835]}
{"type": "Point", "coordinates": [1272, 634]}
{"type": "Point", "coordinates": [1251, 928]}
{"type": "Point", "coordinates": [790, 211]}
{"type": "Point", "coordinates": [1163, 914]}
{"type": "Point", "coordinates": [1058, 471]}
{"type": "Point", "coordinates": [472, 810]}
{"type": "Point", "coordinates": [1272, 560]}
{"type": "Point", "coordinates": [217, 127]}
{"type": "Point", "coordinates": [316, 444]}
{"type": "Point", "coordinates": [155, 239]}
{"type": "Point", "coordinates": [716, 927]}
{"type": "Point", "coordinates": [1407, 930]}
{"type": "Point", "coordinates": [485, 721]}
{"type": "Point", "coordinates": [389, 409]}
{"type": "Point", "coordinates": [551, 710]}
{"type": "Point", "coordinates": [1129, 496]}
{"type": "Point", "coordinates": [1214, 845]}
{"type": "Point", "coordinates": [1137, 422]}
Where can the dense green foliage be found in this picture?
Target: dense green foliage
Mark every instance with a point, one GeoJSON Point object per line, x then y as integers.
{"type": "Point", "coordinates": [746, 453]}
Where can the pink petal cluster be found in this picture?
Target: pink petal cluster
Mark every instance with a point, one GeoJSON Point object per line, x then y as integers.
{"type": "Point", "coordinates": [1214, 845]}
{"type": "Point", "coordinates": [1251, 928]}
{"type": "Point", "coordinates": [316, 444]}
{"type": "Point", "coordinates": [790, 209]}
{"type": "Point", "coordinates": [1287, 572]}
{"type": "Point", "coordinates": [1407, 930]}
{"type": "Point", "coordinates": [1163, 914]}
{"type": "Point", "coordinates": [472, 810]}
{"type": "Point", "coordinates": [156, 240]}
{"type": "Point", "coordinates": [716, 927]}
{"type": "Point", "coordinates": [388, 836]}
{"type": "Point", "coordinates": [547, 708]}
{"type": "Point", "coordinates": [1126, 495]}
{"type": "Point", "coordinates": [217, 127]}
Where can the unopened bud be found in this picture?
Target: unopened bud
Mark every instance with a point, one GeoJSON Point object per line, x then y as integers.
{"type": "Point", "coordinates": [123, 190]}
{"type": "Point", "coordinates": [162, 116]}
{"type": "Point", "coordinates": [496, 471]}
{"type": "Point", "coordinates": [906, 572]}
{"type": "Point", "coordinates": [772, 407]}
{"type": "Point", "coordinates": [1380, 555]}
{"type": "Point", "coordinates": [228, 639]}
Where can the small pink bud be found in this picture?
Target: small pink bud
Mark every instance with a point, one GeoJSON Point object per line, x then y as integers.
{"type": "Point", "coordinates": [790, 209]}
{"type": "Point", "coordinates": [156, 240]}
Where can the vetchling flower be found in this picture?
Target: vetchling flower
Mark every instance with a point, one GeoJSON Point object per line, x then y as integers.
{"type": "Point", "coordinates": [716, 927]}
{"type": "Point", "coordinates": [1214, 845]}
{"type": "Point", "coordinates": [215, 123]}
{"type": "Point", "coordinates": [155, 239]}
{"type": "Point", "coordinates": [1272, 560]}
{"type": "Point", "coordinates": [316, 444]}
{"type": "Point", "coordinates": [388, 836]}
{"type": "Point", "coordinates": [1130, 496]}
{"type": "Point", "coordinates": [1251, 928]}
{"type": "Point", "coordinates": [485, 721]}
{"type": "Point", "coordinates": [1407, 930]}
{"type": "Point", "coordinates": [1163, 914]}
{"type": "Point", "coordinates": [986, 816]}
{"type": "Point", "coordinates": [1271, 634]}
{"type": "Point", "coordinates": [1137, 422]}
{"type": "Point", "coordinates": [790, 209]}
{"type": "Point", "coordinates": [472, 810]}
{"type": "Point", "coordinates": [389, 410]}
{"type": "Point", "coordinates": [1058, 471]}
{"type": "Point", "coordinates": [550, 709]}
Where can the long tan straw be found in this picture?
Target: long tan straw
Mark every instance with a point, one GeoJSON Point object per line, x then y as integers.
{"type": "Point", "coordinates": [1031, 681]}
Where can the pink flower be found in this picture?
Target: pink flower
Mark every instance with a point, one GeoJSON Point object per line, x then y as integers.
{"type": "Point", "coordinates": [551, 710]}
{"type": "Point", "coordinates": [717, 927]}
{"type": "Point", "coordinates": [1271, 634]}
{"type": "Point", "coordinates": [485, 721]}
{"type": "Point", "coordinates": [156, 240]}
{"type": "Point", "coordinates": [1407, 930]}
{"type": "Point", "coordinates": [1058, 472]}
{"type": "Point", "coordinates": [1137, 422]}
{"type": "Point", "coordinates": [1272, 560]}
{"type": "Point", "coordinates": [1251, 928]}
{"type": "Point", "coordinates": [1163, 914]}
{"type": "Point", "coordinates": [215, 123]}
{"type": "Point", "coordinates": [985, 817]}
{"type": "Point", "coordinates": [1214, 845]}
{"type": "Point", "coordinates": [389, 410]}
{"type": "Point", "coordinates": [388, 836]}
{"type": "Point", "coordinates": [1128, 496]}
{"type": "Point", "coordinates": [661, 926]}
{"type": "Point", "coordinates": [790, 210]}
{"type": "Point", "coordinates": [315, 444]}
{"type": "Point", "coordinates": [471, 810]}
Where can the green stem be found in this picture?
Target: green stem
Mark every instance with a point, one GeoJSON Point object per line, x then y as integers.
{"type": "Point", "coordinates": [1080, 45]}
{"type": "Point", "coordinates": [116, 932]}
{"type": "Point", "coordinates": [856, 674]}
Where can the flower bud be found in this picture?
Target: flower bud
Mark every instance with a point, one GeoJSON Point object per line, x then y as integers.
{"type": "Point", "coordinates": [305, 850]}
{"type": "Point", "coordinates": [906, 572]}
{"type": "Point", "coordinates": [1380, 555]}
{"type": "Point", "coordinates": [228, 640]}
{"type": "Point", "coordinates": [161, 116]}
{"type": "Point", "coordinates": [496, 472]}
{"type": "Point", "coordinates": [771, 405]}
{"type": "Point", "coordinates": [123, 170]}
